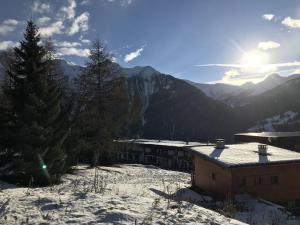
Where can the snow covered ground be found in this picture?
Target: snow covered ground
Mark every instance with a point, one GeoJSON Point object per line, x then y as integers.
{"type": "Point", "coordinates": [127, 194]}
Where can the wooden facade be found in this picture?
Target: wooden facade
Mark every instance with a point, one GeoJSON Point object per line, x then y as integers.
{"type": "Point", "coordinates": [275, 181]}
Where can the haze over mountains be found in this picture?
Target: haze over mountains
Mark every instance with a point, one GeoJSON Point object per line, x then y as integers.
{"type": "Point", "coordinates": [162, 106]}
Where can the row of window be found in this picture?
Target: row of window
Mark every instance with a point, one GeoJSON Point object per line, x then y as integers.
{"type": "Point", "coordinates": [260, 180]}
{"type": "Point", "coordinates": [254, 181]}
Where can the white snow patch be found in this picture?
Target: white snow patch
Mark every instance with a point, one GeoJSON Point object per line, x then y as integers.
{"type": "Point", "coordinates": [258, 211]}
{"type": "Point", "coordinates": [269, 123]}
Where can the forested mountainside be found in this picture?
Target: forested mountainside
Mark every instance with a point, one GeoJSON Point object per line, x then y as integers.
{"type": "Point", "coordinates": [162, 106]}
{"type": "Point", "coordinates": [166, 107]}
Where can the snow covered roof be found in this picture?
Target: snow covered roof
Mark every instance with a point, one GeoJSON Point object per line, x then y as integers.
{"type": "Point", "coordinates": [168, 143]}
{"type": "Point", "coordinates": [239, 155]}
{"type": "Point", "coordinates": [270, 134]}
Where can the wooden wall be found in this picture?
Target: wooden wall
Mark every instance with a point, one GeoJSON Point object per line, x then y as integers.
{"type": "Point", "coordinates": [255, 180]}
{"type": "Point", "coordinates": [258, 181]}
{"type": "Point", "coordinates": [220, 185]}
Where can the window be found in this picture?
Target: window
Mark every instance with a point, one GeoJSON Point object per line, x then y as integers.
{"type": "Point", "coordinates": [180, 153]}
{"type": "Point", "coordinates": [213, 176]}
{"type": "Point", "coordinates": [243, 182]}
{"type": "Point", "coordinates": [170, 152]}
{"type": "Point", "coordinates": [274, 180]}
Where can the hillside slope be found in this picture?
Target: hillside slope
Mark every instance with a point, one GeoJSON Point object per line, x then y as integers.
{"type": "Point", "coordinates": [280, 102]}
{"type": "Point", "coordinates": [162, 106]}
{"type": "Point", "coordinates": [128, 194]}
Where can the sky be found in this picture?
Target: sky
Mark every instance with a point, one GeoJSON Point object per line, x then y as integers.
{"type": "Point", "coordinates": [207, 41]}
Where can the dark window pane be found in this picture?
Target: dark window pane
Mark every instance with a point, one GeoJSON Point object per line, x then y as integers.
{"type": "Point", "coordinates": [274, 180]}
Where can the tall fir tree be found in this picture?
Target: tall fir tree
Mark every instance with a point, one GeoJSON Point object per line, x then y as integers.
{"type": "Point", "coordinates": [69, 100]}
{"type": "Point", "coordinates": [99, 92]}
{"type": "Point", "coordinates": [36, 127]}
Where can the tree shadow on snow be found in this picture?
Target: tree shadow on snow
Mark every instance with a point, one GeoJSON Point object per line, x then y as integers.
{"type": "Point", "coordinates": [4, 186]}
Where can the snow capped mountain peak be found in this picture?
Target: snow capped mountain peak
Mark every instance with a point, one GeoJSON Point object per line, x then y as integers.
{"type": "Point", "coordinates": [247, 85]}
{"type": "Point", "coordinates": [272, 81]}
{"type": "Point", "coordinates": [273, 77]}
{"type": "Point", "coordinates": [145, 71]}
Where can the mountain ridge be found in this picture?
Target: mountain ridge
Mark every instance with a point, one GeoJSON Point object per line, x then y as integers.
{"type": "Point", "coordinates": [162, 106]}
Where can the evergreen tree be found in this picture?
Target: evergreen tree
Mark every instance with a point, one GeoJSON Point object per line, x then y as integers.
{"type": "Point", "coordinates": [69, 101]}
{"type": "Point", "coordinates": [99, 90]}
{"type": "Point", "coordinates": [36, 127]}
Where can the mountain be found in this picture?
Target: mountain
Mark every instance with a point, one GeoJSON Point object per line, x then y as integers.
{"type": "Point", "coordinates": [162, 106]}
{"type": "Point", "coordinates": [69, 69]}
{"type": "Point", "coordinates": [166, 107]}
{"type": "Point", "coordinates": [238, 95]}
{"type": "Point", "coordinates": [272, 81]}
{"type": "Point", "coordinates": [144, 71]}
{"type": "Point", "coordinates": [277, 109]}
{"type": "Point", "coordinates": [218, 91]}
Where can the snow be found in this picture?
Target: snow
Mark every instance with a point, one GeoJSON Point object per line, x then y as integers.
{"type": "Point", "coordinates": [123, 194]}
{"type": "Point", "coordinates": [259, 211]}
{"type": "Point", "coordinates": [269, 123]}
{"type": "Point", "coordinates": [139, 70]}
{"type": "Point", "coordinates": [271, 134]}
{"type": "Point", "coordinates": [246, 154]}
{"type": "Point", "coordinates": [170, 143]}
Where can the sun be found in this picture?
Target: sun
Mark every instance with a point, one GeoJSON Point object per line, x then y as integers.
{"type": "Point", "coordinates": [254, 59]}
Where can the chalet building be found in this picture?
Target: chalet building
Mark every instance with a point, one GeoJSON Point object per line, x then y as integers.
{"type": "Point", "coordinates": [288, 140]}
{"type": "Point", "coordinates": [162, 153]}
{"type": "Point", "coordinates": [263, 171]}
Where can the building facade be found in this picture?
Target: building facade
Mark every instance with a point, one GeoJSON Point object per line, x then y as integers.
{"type": "Point", "coordinates": [166, 154]}
{"type": "Point", "coordinates": [270, 173]}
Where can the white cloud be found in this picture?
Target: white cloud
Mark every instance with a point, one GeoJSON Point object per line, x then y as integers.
{"type": "Point", "coordinates": [74, 51]}
{"type": "Point", "coordinates": [268, 17]}
{"type": "Point", "coordinates": [291, 23]}
{"type": "Point", "coordinates": [268, 45]}
{"type": "Point", "coordinates": [132, 55]}
{"type": "Point", "coordinates": [81, 23]}
{"type": "Point", "coordinates": [238, 77]}
{"type": "Point", "coordinates": [237, 74]}
{"type": "Point", "coordinates": [240, 80]}
{"type": "Point", "coordinates": [287, 64]}
{"type": "Point", "coordinates": [67, 44]}
{"type": "Point", "coordinates": [114, 59]}
{"type": "Point", "coordinates": [126, 2]}
{"type": "Point", "coordinates": [231, 76]}
{"type": "Point", "coordinates": [296, 71]}
{"type": "Point", "coordinates": [83, 40]}
{"type": "Point", "coordinates": [8, 26]}
{"type": "Point", "coordinates": [231, 73]}
{"type": "Point", "coordinates": [85, 2]}
{"type": "Point", "coordinates": [7, 44]}
{"type": "Point", "coordinates": [122, 2]}
{"type": "Point", "coordinates": [54, 28]}
{"type": "Point", "coordinates": [39, 7]}
{"type": "Point", "coordinates": [68, 11]}
{"type": "Point", "coordinates": [43, 20]}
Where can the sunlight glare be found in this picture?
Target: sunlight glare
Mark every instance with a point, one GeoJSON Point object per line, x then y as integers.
{"type": "Point", "coordinates": [254, 59]}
